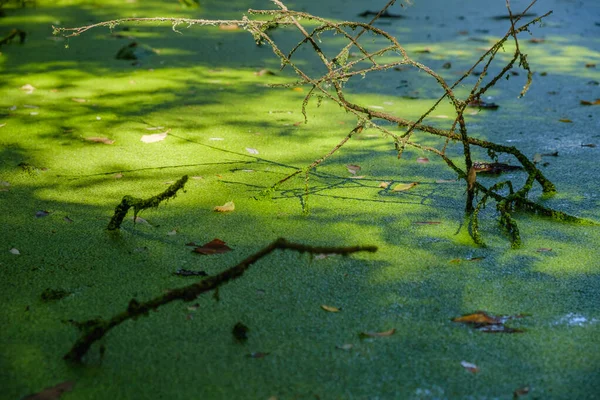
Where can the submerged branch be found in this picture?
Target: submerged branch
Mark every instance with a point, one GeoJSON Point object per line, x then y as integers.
{"type": "Point", "coordinates": [94, 330]}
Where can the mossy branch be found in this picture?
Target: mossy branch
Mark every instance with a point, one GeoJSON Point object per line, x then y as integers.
{"type": "Point", "coordinates": [142, 204]}
{"type": "Point", "coordinates": [340, 69]}
{"type": "Point", "coordinates": [94, 330]}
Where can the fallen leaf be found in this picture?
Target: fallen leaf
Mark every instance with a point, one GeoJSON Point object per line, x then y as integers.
{"type": "Point", "coordinates": [298, 89]}
{"type": "Point", "coordinates": [357, 177]}
{"type": "Point", "coordinates": [482, 104]}
{"type": "Point", "coordinates": [251, 150]}
{"type": "Point", "coordinates": [590, 65]}
{"type": "Point", "coordinates": [172, 233]}
{"type": "Point", "coordinates": [156, 137]}
{"type": "Point", "coordinates": [404, 186]}
{"type": "Point", "coordinates": [215, 246]}
{"type": "Point", "coordinates": [97, 139]}
{"type": "Point", "coordinates": [565, 120]}
{"type": "Point", "coordinates": [353, 168]}
{"type": "Point", "coordinates": [78, 100]}
{"type": "Point", "coordinates": [422, 160]}
{"type": "Point", "coordinates": [240, 332]}
{"type": "Point", "coordinates": [330, 308]}
{"type": "Point", "coordinates": [488, 323]}
{"type": "Point", "coordinates": [2, 125]}
{"type": "Point", "coordinates": [543, 249]}
{"type": "Point", "coordinates": [193, 307]}
{"type": "Point", "coordinates": [229, 27]}
{"type": "Point", "coordinates": [227, 207]}
{"type": "Point", "coordinates": [588, 145]}
{"type": "Point", "coordinates": [154, 128]}
{"type": "Point", "coordinates": [258, 354]}
{"type": "Point", "coordinates": [41, 213]}
{"type": "Point", "coordinates": [427, 222]}
{"type": "Point", "coordinates": [390, 332]}
{"type": "Point", "coordinates": [118, 175]}
{"type": "Point", "coordinates": [27, 88]}
{"type": "Point", "coordinates": [385, 185]}
{"type": "Point", "coordinates": [187, 272]}
{"type": "Point", "coordinates": [470, 367]}
{"type": "Point", "coordinates": [15, 251]}
{"type": "Point", "coordinates": [346, 346]}
{"type": "Point", "coordinates": [52, 393]}
{"type": "Point", "coordinates": [590, 103]}
{"type": "Point", "coordinates": [479, 317]}
{"type": "Point", "coordinates": [537, 157]}
{"type": "Point", "coordinates": [537, 40]}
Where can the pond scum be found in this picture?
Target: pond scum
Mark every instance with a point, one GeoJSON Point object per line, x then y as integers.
{"type": "Point", "coordinates": [340, 69]}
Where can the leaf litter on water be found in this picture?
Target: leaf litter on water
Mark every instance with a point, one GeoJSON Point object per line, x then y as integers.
{"type": "Point", "coordinates": [402, 187]}
{"type": "Point", "coordinates": [488, 323]}
{"type": "Point", "coordinates": [372, 334]}
{"type": "Point", "coordinates": [156, 137]}
{"type": "Point", "coordinates": [215, 246]}
{"type": "Point", "coordinates": [227, 207]}
{"type": "Point", "coordinates": [330, 308]}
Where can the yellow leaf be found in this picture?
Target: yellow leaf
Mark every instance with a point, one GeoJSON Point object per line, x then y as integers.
{"type": "Point", "coordinates": [404, 186]}
{"type": "Point", "coordinates": [330, 308]}
{"type": "Point", "coordinates": [227, 207]}
{"type": "Point", "coordinates": [377, 334]}
{"type": "Point", "coordinates": [384, 185]}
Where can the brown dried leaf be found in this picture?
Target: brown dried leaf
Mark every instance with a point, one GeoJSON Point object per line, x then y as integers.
{"type": "Point", "coordinates": [423, 160]}
{"type": "Point", "coordinates": [52, 393]}
{"type": "Point", "coordinates": [588, 145]}
{"type": "Point", "coordinates": [479, 318]}
{"type": "Point", "coordinates": [590, 103]}
{"type": "Point", "coordinates": [98, 139]}
{"type": "Point", "coordinates": [565, 120]}
{"type": "Point", "coordinates": [330, 308]}
{"type": "Point", "coordinates": [404, 186]}
{"type": "Point", "coordinates": [390, 332]}
{"type": "Point", "coordinates": [215, 246]}
{"type": "Point", "coordinates": [227, 207]}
